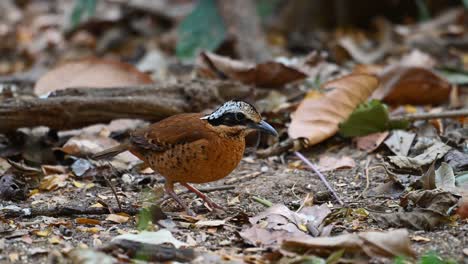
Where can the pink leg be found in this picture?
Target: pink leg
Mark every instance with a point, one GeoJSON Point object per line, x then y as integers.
{"type": "Point", "coordinates": [201, 195]}
{"type": "Point", "coordinates": [169, 188]}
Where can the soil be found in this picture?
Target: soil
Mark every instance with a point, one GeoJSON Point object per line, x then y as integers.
{"type": "Point", "coordinates": [277, 179]}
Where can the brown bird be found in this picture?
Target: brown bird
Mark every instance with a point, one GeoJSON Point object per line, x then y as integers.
{"type": "Point", "coordinates": [195, 148]}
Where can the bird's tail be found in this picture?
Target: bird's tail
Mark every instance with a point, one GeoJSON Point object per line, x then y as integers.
{"type": "Point", "coordinates": [110, 152]}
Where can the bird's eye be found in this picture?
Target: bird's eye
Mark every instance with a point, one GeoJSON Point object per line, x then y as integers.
{"type": "Point", "coordinates": [240, 116]}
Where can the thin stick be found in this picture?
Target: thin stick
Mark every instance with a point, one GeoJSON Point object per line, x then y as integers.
{"type": "Point", "coordinates": [262, 201]}
{"type": "Point", "coordinates": [63, 211]}
{"type": "Point", "coordinates": [112, 186]}
{"type": "Point", "coordinates": [366, 171]}
{"type": "Point", "coordinates": [324, 180]}
{"type": "Point", "coordinates": [427, 116]}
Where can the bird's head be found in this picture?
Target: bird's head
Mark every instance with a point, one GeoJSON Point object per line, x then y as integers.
{"type": "Point", "coordinates": [238, 117]}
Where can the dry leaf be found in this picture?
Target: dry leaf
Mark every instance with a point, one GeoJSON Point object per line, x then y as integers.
{"type": "Point", "coordinates": [373, 244]}
{"type": "Point", "coordinates": [87, 221]}
{"type": "Point", "coordinates": [154, 238]}
{"type": "Point", "coordinates": [278, 223]}
{"type": "Point", "coordinates": [116, 218]}
{"type": "Point", "coordinates": [53, 182]}
{"type": "Point", "coordinates": [400, 142]}
{"type": "Point", "coordinates": [86, 144]}
{"type": "Point", "coordinates": [90, 73]}
{"type": "Point", "coordinates": [327, 163]}
{"type": "Point", "coordinates": [432, 149]}
{"type": "Point", "coordinates": [267, 74]}
{"type": "Point", "coordinates": [412, 85]}
{"type": "Point", "coordinates": [318, 119]}
{"type": "Point", "coordinates": [429, 209]}
{"type": "Point", "coordinates": [210, 223]}
{"type": "Point", "coordinates": [371, 142]}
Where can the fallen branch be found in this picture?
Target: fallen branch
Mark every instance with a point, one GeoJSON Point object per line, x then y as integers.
{"type": "Point", "coordinates": [150, 252]}
{"type": "Point", "coordinates": [78, 107]}
{"type": "Point", "coordinates": [57, 211]}
{"type": "Point", "coordinates": [428, 116]}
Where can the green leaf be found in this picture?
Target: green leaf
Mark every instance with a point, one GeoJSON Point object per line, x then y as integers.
{"type": "Point", "coordinates": [369, 118]}
{"type": "Point", "coordinates": [423, 10]}
{"type": "Point", "coordinates": [465, 3]}
{"type": "Point", "coordinates": [144, 219]}
{"type": "Point", "coordinates": [203, 29]}
{"type": "Point", "coordinates": [266, 7]}
{"type": "Point", "coordinates": [454, 76]}
{"type": "Point", "coordinates": [82, 9]}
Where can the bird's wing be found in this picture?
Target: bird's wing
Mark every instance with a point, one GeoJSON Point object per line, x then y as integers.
{"type": "Point", "coordinates": [175, 130]}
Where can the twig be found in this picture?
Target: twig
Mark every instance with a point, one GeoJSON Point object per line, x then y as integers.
{"type": "Point", "coordinates": [366, 172]}
{"type": "Point", "coordinates": [57, 211]}
{"type": "Point", "coordinates": [262, 201]}
{"type": "Point", "coordinates": [112, 186]}
{"type": "Point", "coordinates": [244, 178]}
{"type": "Point", "coordinates": [427, 116]}
{"type": "Point", "coordinates": [324, 180]}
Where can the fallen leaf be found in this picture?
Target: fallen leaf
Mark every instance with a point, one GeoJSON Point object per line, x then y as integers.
{"type": "Point", "coordinates": [210, 223]}
{"type": "Point", "coordinates": [368, 118]}
{"type": "Point", "coordinates": [53, 182]}
{"type": "Point", "coordinates": [267, 74]}
{"type": "Point", "coordinates": [400, 142]}
{"type": "Point", "coordinates": [401, 85]}
{"type": "Point", "coordinates": [42, 233]}
{"type": "Point", "coordinates": [371, 142]}
{"type": "Point", "coordinates": [154, 238]}
{"type": "Point", "coordinates": [84, 255]}
{"type": "Point", "coordinates": [318, 119]}
{"type": "Point", "coordinates": [55, 240]}
{"type": "Point", "coordinates": [116, 218]}
{"type": "Point", "coordinates": [445, 178]}
{"type": "Point", "coordinates": [14, 257]}
{"type": "Point", "coordinates": [430, 148]}
{"type": "Point", "coordinates": [11, 188]}
{"type": "Point", "coordinates": [429, 210]}
{"type": "Point", "coordinates": [420, 239]}
{"type": "Point", "coordinates": [90, 73]}
{"type": "Point", "coordinates": [4, 166]}
{"type": "Point", "coordinates": [373, 244]}
{"type": "Point", "coordinates": [87, 144]}
{"type": "Point", "coordinates": [391, 189]}
{"type": "Point", "coordinates": [457, 160]}
{"type": "Point", "coordinates": [277, 223]}
{"type": "Point", "coordinates": [87, 221]}
{"type": "Point", "coordinates": [327, 163]}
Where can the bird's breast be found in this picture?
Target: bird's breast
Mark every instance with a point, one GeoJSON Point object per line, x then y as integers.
{"type": "Point", "coordinates": [201, 161]}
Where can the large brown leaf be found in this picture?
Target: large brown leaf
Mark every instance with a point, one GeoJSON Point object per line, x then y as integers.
{"type": "Point", "coordinates": [267, 74]}
{"type": "Point", "coordinates": [318, 118]}
{"type": "Point", "coordinates": [90, 73]}
{"type": "Point", "coordinates": [412, 85]}
{"type": "Point", "coordinates": [373, 244]}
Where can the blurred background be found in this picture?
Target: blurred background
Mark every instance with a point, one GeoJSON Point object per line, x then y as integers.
{"type": "Point", "coordinates": [164, 37]}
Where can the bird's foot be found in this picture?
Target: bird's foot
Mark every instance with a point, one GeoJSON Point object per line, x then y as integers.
{"type": "Point", "coordinates": [170, 190]}
{"type": "Point", "coordinates": [205, 198]}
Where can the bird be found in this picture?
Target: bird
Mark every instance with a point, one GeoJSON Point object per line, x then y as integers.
{"type": "Point", "coordinates": [193, 147]}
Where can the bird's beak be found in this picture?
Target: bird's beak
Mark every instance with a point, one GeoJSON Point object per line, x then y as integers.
{"type": "Point", "coordinates": [265, 127]}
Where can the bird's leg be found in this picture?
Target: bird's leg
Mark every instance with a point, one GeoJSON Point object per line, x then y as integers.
{"type": "Point", "coordinates": [202, 196]}
{"type": "Point", "coordinates": [169, 188]}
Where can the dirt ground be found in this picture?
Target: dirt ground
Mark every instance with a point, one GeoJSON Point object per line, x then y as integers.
{"type": "Point", "coordinates": [276, 179]}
